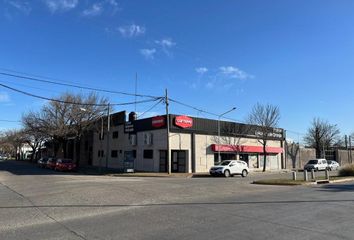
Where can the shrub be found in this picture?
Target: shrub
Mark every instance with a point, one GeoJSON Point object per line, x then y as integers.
{"type": "Point", "coordinates": [347, 170]}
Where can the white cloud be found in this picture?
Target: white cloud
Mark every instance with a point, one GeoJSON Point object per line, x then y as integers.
{"type": "Point", "coordinates": [132, 30]}
{"type": "Point", "coordinates": [113, 3]}
{"type": "Point", "coordinates": [201, 70]}
{"type": "Point", "coordinates": [234, 72]}
{"type": "Point", "coordinates": [61, 5]}
{"type": "Point", "coordinates": [148, 53]}
{"type": "Point", "coordinates": [4, 97]}
{"type": "Point", "coordinates": [95, 10]}
{"type": "Point", "coordinates": [22, 6]}
{"type": "Point", "coordinates": [166, 42]}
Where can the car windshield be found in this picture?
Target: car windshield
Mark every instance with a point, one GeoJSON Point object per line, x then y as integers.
{"type": "Point", "coordinates": [329, 161]}
{"type": "Point", "coordinates": [312, 162]}
{"type": "Point", "coordinates": [225, 163]}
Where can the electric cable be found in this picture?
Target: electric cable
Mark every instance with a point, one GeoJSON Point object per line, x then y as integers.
{"type": "Point", "coordinates": [75, 85]}
{"type": "Point", "coordinates": [76, 103]}
{"type": "Point", "coordinates": [151, 108]}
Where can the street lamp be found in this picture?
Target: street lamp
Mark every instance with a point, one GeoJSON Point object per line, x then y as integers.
{"type": "Point", "coordinates": [234, 108]}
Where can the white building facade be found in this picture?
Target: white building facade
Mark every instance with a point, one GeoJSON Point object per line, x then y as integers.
{"type": "Point", "coordinates": [194, 144]}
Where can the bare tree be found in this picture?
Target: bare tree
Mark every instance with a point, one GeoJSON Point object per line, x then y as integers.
{"type": "Point", "coordinates": [231, 135]}
{"type": "Point", "coordinates": [33, 134]}
{"type": "Point", "coordinates": [321, 135]}
{"type": "Point", "coordinates": [293, 150]}
{"type": "Point", "coordinates": [14, 140]}
{"type": "Point", "coordinates": [67, 118]}
{"type": "Point", "coordinates": [83, 114]}
{"type": "Point", "coordinates": [266, 117]}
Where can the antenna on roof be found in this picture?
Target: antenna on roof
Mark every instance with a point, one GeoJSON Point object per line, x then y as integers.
{"type": "Point", "coordinates": [136, 89]}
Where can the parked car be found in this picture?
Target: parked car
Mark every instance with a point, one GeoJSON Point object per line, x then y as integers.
{"type": "Point", "coordinates": [229, 168]}
{"type": "Point", "coordinates": [51, 163]}
{"type": "Point", "coordinates": [42, 162]}
{"type": "Point", "coordinates": [64, 164]}
{"type": "Point", "coordinates": [316, 164]}
{"type": "Point", "coordinates": [332, 165]}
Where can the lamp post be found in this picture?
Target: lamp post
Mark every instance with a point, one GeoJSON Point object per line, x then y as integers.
{"type": "Point", "coordinates": [234, 108]}
{"type": "Point", "coordinates": [101, 134]}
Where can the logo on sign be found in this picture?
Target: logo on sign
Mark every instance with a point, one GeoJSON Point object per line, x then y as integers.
{"type": "Point", "coordinates": [158, 122]}
{"type": "Point", "coordinates": [184, 122]}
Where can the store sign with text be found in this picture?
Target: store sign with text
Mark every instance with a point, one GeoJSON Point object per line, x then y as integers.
{"type": "Point", "coordinates": [158, 122]}
{"type": "Point", "coordinates": [184, 122]}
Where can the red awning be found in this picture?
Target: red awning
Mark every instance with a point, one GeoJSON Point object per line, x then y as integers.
{"type": "Point", "coordinates": [244, 149]}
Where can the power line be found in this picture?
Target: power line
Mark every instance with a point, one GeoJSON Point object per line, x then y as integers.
{"type": "Point", "coordinates": [75, 103]}
{"type": "Point", "coordinates": [227, 118]}
{"type": "Point", "coordinates": [75, 85]}
{"type": "Point", "coordinates": [151, 108]}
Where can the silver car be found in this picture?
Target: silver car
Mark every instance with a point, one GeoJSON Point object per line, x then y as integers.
{"type": "Point", "coordinates": [332, 165]}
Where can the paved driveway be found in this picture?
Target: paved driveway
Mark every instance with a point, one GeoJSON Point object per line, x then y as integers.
{"type": "Point", "coordinates": [41, 204]}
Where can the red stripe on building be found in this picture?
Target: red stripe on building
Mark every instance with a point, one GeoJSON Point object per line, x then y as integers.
{"type": "Point", "coordinates": [244, 149]}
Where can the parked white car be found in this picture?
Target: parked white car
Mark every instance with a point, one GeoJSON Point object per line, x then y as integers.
{"type": "Point", "coordinates": [332, 165]}
{"type": "Point", "coordinates": [229, 168]}
{"type": "Point", "coordinates": [316, 164]}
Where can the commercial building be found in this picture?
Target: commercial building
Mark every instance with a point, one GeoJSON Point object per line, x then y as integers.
{"type": "Point", "coordinates": [194, 145]}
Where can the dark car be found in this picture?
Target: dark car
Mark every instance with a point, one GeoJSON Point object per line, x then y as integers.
{"type": "Point", "coordinates": [51, 163]}
{"type": "Point", "coordinates": [65, 164]}
{"type": "Point", "coordinates": [42, 163]}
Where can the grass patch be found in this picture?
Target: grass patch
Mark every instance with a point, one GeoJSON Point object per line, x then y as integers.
{"type": "Point", "coordinates": [286, 182]}
{"type": "Point", "coordinates": [347, 170]}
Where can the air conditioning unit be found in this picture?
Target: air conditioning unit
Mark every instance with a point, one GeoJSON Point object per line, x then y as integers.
{"type": "Point", "coordinates": [147, 138]}
{"type": "Point", "coordinates": [132, 140]}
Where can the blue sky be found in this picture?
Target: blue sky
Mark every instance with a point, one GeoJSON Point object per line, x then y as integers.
{"type": "Point", "coordinates": [210, 54]}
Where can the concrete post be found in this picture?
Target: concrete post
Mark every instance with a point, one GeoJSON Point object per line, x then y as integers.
{"type": "Point", "coordinates": [306, 178]}
{"type": "Point", "coordinates": [327, 174]}
{"type": "Point", "coordinates": [313, 175]}
{"type": "Point", "coordinates": [294, 176]}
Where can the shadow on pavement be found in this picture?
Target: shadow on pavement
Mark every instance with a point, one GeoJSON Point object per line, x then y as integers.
{"type": "Point", "coordinates": [338, 188]}
{"type": "Point", "coordinates": [28, 168]}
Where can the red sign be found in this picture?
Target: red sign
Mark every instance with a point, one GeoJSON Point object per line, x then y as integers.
{"type": "Point", "coordinates": [158, 121]}
{"type": "Point", "coordinates": [244, 148]}
{"type": "Point", "coordinates": [184, 122]}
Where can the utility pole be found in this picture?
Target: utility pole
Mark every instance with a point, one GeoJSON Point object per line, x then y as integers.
{"type": "Point", "coordinates": [350, 149]}
{"type": "Point", "coordinates": [168, 155]}
{"type": "Point", "coordinates": [108, 135]}
{"type": "Point", "coordinates": [101, 139]}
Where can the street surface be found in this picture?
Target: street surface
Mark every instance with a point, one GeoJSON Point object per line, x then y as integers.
{"type": "Point", "coordinates": [42, 204]}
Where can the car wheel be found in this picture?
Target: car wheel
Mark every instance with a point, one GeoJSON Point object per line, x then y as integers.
{"type": "Point", "coordinates": [244, 173]}
{"type": "Point", "coordinates": [227, 173]}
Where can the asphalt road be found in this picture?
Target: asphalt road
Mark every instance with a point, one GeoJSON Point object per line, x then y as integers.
{"type": "Point", "coordinates": [41, 204]}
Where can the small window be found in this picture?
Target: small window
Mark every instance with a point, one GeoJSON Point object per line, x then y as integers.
{"type": "Point", "coordinates": [115, 134]}
{"type": "Point", "coordinates": [100, 153]}
{"type": "Point", "coordinates": [148, 154]}
{"type": "Point", "coordinates": [114, 153]}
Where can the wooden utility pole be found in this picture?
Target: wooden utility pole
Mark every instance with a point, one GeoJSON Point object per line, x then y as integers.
{"type": "Point", "coordinates": [168, 155]}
